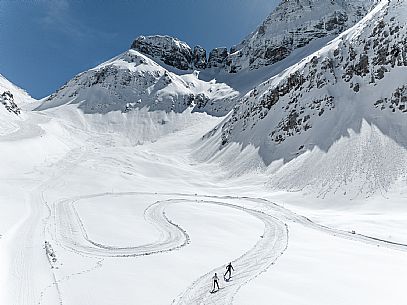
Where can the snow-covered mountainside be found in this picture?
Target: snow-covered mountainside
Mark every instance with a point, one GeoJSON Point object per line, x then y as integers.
{"type": "Point", "coordinates": [313, 105]}
{"type": "Point", "coordinates": [335, 121]}
{"type": "Point", "coordinates": [135, 96]}
{"type": "Point", "coordinates": [12, 98]}
{"type": "Point", "coordinates": [20, 96]}
{"type": "Point", "coordinates": [292, 25]}
{"type": "Point", "coordinates": [134, 81]}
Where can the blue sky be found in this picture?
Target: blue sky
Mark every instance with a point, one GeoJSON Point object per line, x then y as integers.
{"type": "Point", "coordinates": [44, 43]}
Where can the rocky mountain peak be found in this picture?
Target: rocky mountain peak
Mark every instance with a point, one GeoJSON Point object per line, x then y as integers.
{"type": "Point", "coordinates": [292, 25]}
{"type": "Point", "coordinates": [171, 51]}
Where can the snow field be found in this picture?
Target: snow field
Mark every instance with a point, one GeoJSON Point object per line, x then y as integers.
{"type": "Point", "coordinates": [218, 234]}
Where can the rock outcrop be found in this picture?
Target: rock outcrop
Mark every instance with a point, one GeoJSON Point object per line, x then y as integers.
{"type": "Point", "coordinates": [169, 50]}
{"type": "Point", "coordinates": [217, 58]}
{"type": "Point", "coordinates": [199, 58]}
{"type": "Point", "coordinates": [7, 99]}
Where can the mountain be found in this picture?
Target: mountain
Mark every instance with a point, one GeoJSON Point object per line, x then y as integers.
{"type": "Point", "coordinates": [307, 112]}
{"type": "Point", "coordinates": [133, 80]}
{"type": "Point", "coordinates": [158, 71]}
{"type": "Point", "coordinates": [137, 97]}
{"type": "Point", "coordinates": [334, 122]}
{"type": "Point", "coordinates": [294, 30]}
{"type": "Point", "coordinates": [293, 25]}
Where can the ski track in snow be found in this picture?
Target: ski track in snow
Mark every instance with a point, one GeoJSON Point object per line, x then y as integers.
{"type": "Point", "coordinates": [27, 259]}
{"type": "Point", "coordinates": [257, 260]}
{"type": "Point", "coordinates": [68, 230]}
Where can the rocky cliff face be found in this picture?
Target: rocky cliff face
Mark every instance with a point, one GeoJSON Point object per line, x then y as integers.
{"type": "Point", "coordinates": [199, 58]}
{"type": "Point", "coordinates": [217, 58]}
{"type": "Point", "coordinates": [294, 24]}
{"type": "Point", "coordinates": [171, 51]}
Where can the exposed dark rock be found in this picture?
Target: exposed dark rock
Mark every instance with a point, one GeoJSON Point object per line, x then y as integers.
{"type": "Point", "coordinates": [276, 54]}
{"type": "Point", "coordinates": [336, 21]}
{"type": "Point", "coordinates": [7, 99]}
{"type": "Point", "coordinates": [397, 101]}
{"type": "Point", "coordinates": [201, 100]}
{"type": "Point", "coordinates": [170, 50]}
{"type": "Point", "coordinates": [217, 57]}
{"type": "Point", "coordinates": [199, 58]}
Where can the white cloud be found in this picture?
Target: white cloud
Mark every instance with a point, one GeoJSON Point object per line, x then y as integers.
{"type": "Point", "coordinates": [58, 16]}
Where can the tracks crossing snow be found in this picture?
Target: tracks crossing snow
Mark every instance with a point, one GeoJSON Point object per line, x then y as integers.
{"type": "Point", "coordinates": [267, 250]}
{"type": "Point", "coordinates": [70, 232]}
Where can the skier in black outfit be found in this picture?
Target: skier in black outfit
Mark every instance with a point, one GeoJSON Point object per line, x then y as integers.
{"type": "Point", "coordinates": [229, 269]}
{"type": "Point", "coordinates": [215, 282]}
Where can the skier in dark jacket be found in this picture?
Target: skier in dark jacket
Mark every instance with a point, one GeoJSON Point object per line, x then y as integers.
{"type": "Point", "coordinates": [215, 279]}
{"type": "Point", "coordinates": [229, 269]}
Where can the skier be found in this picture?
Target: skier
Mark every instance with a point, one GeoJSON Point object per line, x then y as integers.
{"type": "Point", "coordinates": [229, 269]}
{"type": "Point", "coordinates": [215, 282]}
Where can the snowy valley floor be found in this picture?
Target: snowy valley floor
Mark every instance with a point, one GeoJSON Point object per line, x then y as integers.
{"type": "Point", "coordinates": [148, 224]}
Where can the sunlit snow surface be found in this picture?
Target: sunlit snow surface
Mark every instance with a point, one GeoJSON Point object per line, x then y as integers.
{"type": "Point", "coordinates": [104, 204]}
{"type": "Point", "coordinates": [138, 207]}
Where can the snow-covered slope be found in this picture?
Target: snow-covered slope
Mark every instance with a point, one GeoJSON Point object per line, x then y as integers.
{"type": "Point", "coordinates": [12, 99]}
{"type": "Point", "coordinates": [135, 96]}
{"type": "Point", "coordinates": [134, 81]}
{"type": "Point", "coordinates": [335, 121]}
{"type": "Point", "coordinates": [20, 96]}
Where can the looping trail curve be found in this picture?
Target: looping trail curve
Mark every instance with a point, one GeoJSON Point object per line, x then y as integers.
{"type": "Point", "coordinates": [71, 233]}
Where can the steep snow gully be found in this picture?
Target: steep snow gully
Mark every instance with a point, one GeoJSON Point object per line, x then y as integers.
{"type": "Point", "coordinates": [67, 229]}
